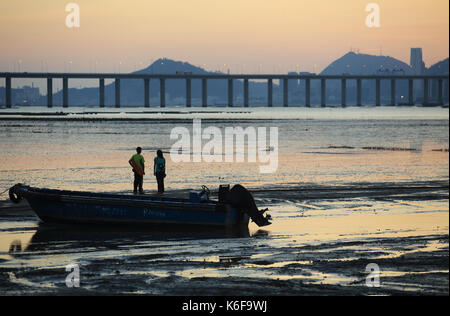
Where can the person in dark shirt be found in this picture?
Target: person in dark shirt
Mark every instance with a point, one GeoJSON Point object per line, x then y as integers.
{"type": "Point", "coordinates": [159, 170]}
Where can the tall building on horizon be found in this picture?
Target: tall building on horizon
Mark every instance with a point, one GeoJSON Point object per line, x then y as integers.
{"type": "Point", "coordinates": [416, 61]}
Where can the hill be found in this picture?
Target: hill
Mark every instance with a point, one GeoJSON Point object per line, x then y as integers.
{"type": "Point", "coordinates": [132, 90]}
{"type": "Point", "coordinates": [363, 64]}
{"type": "Point", "coordinates": [440, 68]}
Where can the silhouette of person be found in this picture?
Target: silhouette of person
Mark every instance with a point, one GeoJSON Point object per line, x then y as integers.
{"type": "Point", "coordinates": [159, 170]}
{"type": "Point", "coordinates": [137, 162]}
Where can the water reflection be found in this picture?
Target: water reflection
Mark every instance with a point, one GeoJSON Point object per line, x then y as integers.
{"type": "Point", "coordinates": [12, 244]}
{"type": "Point", "coordinates": [16, 246]}
{"type": "Point", "coordinates": [261, 233]}
{"type": "Point", "coordinates": [54, 236]}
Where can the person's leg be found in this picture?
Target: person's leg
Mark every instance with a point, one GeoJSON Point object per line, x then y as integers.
{"type": "Point", "coordinates": [135, 183]}
{"type": "Point", "coordinates": [160, 180]}
{"type": "Point", "coordinates": [141, 182]}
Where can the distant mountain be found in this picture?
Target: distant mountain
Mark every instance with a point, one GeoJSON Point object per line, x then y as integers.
{"type": "Point", "coordinates": [132, 90]}
{"type": "Point", "coordinates": [363, 64]}
{"type": "Point", "coordinates": [167, 66]}
{"type": "Point", "coordinates": [440, 68]}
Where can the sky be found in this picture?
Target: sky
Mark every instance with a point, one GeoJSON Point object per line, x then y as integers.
{"type": "Point", "coordinates": [243, 36]}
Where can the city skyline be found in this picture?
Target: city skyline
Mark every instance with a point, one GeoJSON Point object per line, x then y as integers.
{"type": "Point", "coordinates": [243, 37]}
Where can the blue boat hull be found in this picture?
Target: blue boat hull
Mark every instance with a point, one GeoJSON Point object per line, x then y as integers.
{"type": "Point", "coordinates": [84, 207]}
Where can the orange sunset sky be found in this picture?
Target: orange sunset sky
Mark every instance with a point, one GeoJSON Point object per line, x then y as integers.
{"type": "Point", "coordinates": [240, 35]}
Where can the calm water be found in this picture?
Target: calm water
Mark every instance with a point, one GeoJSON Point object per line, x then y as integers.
{"type": "Point", "coordinates": [93, 155]}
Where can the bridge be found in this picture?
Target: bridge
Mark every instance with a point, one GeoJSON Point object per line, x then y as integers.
{"type": "Point", "coordinates": [188, 77]}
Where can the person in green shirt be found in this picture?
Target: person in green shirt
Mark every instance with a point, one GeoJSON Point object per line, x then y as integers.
{"type": "Point", "coordinates": [137, 162]}
{"type": "Point", "coordinates": [159, 170]}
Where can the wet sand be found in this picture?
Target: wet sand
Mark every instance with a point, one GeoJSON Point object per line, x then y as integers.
{"type": "Point", "coordinates": [320, 243]}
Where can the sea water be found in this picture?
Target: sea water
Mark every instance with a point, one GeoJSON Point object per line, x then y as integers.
{"type": "Point", "coordinates": [321, 146]}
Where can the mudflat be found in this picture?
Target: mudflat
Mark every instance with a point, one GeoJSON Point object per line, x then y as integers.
{"type": "Point", "coordinates": [323, 241]}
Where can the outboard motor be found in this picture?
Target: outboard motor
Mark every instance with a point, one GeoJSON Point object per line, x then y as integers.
{"type": "Point", "coordinates": [243, 200]}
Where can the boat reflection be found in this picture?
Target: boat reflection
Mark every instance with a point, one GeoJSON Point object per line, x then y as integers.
{"type": "Point", "coordinates": [15, 246]}
{"type": "Point", "coordinates": [48, 236]}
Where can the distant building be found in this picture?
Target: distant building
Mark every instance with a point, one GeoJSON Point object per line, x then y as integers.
{"type": "Point", "coordinates": [416, 61]}
{"type": "Point", "coordinates": [21, 96]}
{"type": "Point", "coordinates": [25, 96]}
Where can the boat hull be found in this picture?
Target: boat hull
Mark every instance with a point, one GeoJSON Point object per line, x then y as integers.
{"type": "Point", "coordinates": [83, 207]}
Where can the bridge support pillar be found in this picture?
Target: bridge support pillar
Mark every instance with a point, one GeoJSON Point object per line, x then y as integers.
{"type": "Point", "coordinates": [285, 92]}
{"type": "Point", "coordinates": [147, 92]}
{"type": "Point", "coordinates": [230, 92]}
{"type": "Point", "coordinates": [8, 100]}
{"type": "Point", "coordinates": [101, 92]}
{"type": "Point", "coordinates": [117, 92]}
{"type": "Point", "coordinates": [358, 92]}
{"type": "Point", "coordinates": [246, 93]}
{"type": "Point", "coordinates": [410, 92]}
{"type": "Point", "coordinates": [343, 92]}
{"type": "Point", "coordinates": [425, 91]}
{"type": "Point", "coordinates": [162, 92]}
{"type": "Point", "coordinates": [323, 93]}
{"type": "Point", "coordinates": [188, 92]}
{"type": "Point", "coordinates": [308, 93]}
{"type": "Point", "coordinates": [440, 94]}
{"type": "Point", "coordinates": [65, 92]}
{"type": "Point", "coordinates": [204, 92]}
{"type": "Point", "coordinates": [269, 92]}
{"type": "Point", "coordinates": [393, 103]}
{"type": "Point", "coordinates": [49, 92]}
{"type": "Point", "coordinates": [378, 92]}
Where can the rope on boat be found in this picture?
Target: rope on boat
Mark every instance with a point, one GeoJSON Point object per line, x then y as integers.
{"type": "Point", "coordinates": [1, 193]}
{"type": "Point", "coordinates": [14, 197]}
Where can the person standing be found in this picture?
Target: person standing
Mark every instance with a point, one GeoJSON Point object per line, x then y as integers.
{"type": "Point", "coordinates": [137, 162]}
{"type": "Point", "coordinates": [159, 170]}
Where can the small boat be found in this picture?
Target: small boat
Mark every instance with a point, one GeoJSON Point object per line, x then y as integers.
{"type": "Point", "coordinates": [52, 205]}
{"type": "Point", "coordinates": [234, 208]}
